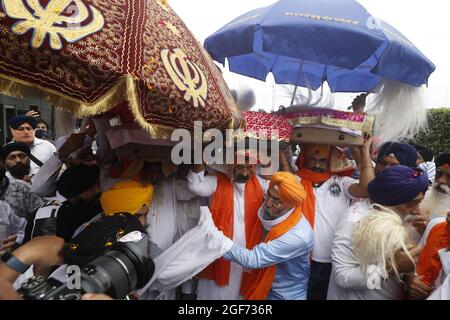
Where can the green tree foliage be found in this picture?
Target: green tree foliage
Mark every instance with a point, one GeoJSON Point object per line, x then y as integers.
{"type": "Point", "coordinates": [437, 135]}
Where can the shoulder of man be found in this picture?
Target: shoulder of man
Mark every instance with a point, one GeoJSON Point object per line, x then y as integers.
{"type": "Point", "coordinates": [16, 185]}
{"type": "Point", "coordinates": [42, 142]}
{"type": "Point", "coordinates": [4, 207]}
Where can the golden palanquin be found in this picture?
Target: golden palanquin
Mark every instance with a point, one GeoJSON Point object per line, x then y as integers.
{"type": "Point", "coordinates": [87, 56]}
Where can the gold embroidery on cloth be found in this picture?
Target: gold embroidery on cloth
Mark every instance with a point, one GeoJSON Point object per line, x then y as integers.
{"type": "Point", "coordinates": [50, 20]}
{"type": "Point", "coordinates": [186, 75]}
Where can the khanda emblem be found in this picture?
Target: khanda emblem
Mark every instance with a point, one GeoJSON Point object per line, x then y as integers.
{"type": "Point", "coordinates": [186, 75]}
{"type": "Point", "coordinates": [53, 19]}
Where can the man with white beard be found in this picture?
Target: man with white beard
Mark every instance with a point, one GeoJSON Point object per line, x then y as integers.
{"type": "Point", "coordinates": [437, 200]}
{"type": "Point", "coordinates": [395, 195]}
{"type": "Point", "coordinates": [431, 269]}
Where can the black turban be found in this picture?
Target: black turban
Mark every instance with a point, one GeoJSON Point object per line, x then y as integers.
{"type": "Point", "coordinates": [16, 121]}
{"type": "Point", "coordinates": [14, 146]}
{"type": "Point", "coordinates": [77, 179]}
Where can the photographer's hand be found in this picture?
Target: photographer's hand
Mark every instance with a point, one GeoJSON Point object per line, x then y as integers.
{"type": "Point", "coordinates": [43, 252]}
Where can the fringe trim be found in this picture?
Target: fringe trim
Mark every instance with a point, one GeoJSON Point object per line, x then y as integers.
{"type": "Point", "coordinates": [124, 90]}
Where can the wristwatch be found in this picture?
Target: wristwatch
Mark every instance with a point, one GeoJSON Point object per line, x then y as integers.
{"type": "Point", "coordinates": [14, 263]}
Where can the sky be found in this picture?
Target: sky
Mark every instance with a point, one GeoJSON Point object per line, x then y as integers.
{"type": "Point", "coordinates": [425, 23]}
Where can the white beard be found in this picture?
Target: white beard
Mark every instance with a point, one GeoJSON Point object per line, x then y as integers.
{"type": "Point", "coordinates": [435, 204]}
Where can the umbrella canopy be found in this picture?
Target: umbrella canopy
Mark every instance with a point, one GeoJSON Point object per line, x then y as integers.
{"type": "Point", "coordinates": [307, 42]}
{"type": "Point", "coordinates": [88, 56]}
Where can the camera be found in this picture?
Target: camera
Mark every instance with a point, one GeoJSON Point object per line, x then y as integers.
{"type": "Point", "coordinates": [123, 269]}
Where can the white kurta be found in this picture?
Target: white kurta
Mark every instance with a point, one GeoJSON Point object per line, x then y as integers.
{"type": "Point", "coordinates": [443, 287]}
{"type": "Point", "coordinates": [205, 186]}
{"type": "Point", "coordinates": [347, 281]}
{"type": "Point", "coordinates": [163, 220]}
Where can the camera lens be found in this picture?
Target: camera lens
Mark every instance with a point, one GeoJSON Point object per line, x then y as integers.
{"type": "Point", "coordinates": [120, 271]}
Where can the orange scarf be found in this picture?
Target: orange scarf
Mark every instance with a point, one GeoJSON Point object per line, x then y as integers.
{"type": "Point", "coordinates": [429, 264]}
{"type": "Point", "coordinates": [308, 179]}
{"type": "Point", "coordinates": [222, 209]}
{"type": "Point", "coordinates": [257, 285]}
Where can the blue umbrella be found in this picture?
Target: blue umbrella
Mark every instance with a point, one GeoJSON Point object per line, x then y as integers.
{"type": "Point", "coordinates": [307, 42]}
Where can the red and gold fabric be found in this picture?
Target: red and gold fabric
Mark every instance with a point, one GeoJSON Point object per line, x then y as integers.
{"type": "Point", "coordinates": [87, 56]}
{"type": "Point", "coordinates": [267, 126]}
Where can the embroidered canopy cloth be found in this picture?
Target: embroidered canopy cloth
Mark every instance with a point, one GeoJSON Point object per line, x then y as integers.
{"type": "Point", "coordinates": [87, 56]}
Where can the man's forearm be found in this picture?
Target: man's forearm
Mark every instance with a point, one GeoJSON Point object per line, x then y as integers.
{"type": "Point", "coordinates": [359, 190]}
{"type": "Point", "coordinates": [367, 170]}
{"type": "Point", "coordinates": [7, 291]}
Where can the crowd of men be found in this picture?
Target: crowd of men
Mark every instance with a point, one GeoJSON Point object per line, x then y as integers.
{"type": "Point", "coordinates": [304, 232]}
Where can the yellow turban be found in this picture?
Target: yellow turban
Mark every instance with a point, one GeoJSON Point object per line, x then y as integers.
{"type": "Point", "coordinates": [323, 150]}
{"type": "Point", "coordinates": [289, 187]}
{"type": "Point", "coordinates": [126, 196]}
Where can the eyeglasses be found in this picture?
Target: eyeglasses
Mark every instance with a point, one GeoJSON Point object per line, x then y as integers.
{"type": "Point", "coordinates": [25, 129]}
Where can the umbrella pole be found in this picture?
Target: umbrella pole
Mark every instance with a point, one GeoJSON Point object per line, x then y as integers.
{"type": "Point", "coordinates": [296, 82]}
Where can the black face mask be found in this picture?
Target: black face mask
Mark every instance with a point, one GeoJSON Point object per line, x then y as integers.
{"type": "Point", "coordinates": [20, 170]}
{"type": "Point", "coordinates": [40, 134]}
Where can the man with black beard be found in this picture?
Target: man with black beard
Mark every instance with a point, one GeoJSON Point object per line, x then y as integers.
{"type": "Point", "coordinates": [17, 161]}
{"type": "Point", "coordinates": [76, 202]}
{"type": "Point", "coordinates": [17, 193]}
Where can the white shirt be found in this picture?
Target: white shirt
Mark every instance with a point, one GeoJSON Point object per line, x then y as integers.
{"type": "Point", "coordinates": [162, 218]}
{"type": "Point", "coordinates": [443, 290]}
{"type": "Point", "coordinates": [430, 169]}
{"type": "Point", "coordinates": [42, 150]}
{"type": "Point", "coordinates": [205, 186]}
{"type": "Point", "coordinates": [332, 201]}
{"type": "Point", "coordinates": [10, 224]}
{"type": "Point", "coordinates": [188, 208]}
{"type": "Point", "coordinates": [347, 281]}
{"type": "Point", "coordinates": [193, 252]}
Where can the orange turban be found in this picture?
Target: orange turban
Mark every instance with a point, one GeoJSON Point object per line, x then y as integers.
{"type": "Point", "coordinates": [126, 196]}
{"type": "Point", "coordinates": [323, 150]}
{"type": "Point", "coordinates": [289, 187]}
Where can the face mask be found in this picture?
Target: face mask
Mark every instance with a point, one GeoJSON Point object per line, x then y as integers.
{"type": "Point", "coordinates": [269, 224]}
{"type": "Point", "coordinates": [39, 133]}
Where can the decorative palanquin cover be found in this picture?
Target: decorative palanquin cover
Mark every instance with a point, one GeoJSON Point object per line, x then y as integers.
{"type": "Point", "coordinates": [268, 126]}
{"type": "Point", "coordinates": [310, 116]}
{"type": "Point", "coordinates": [87, 56]}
